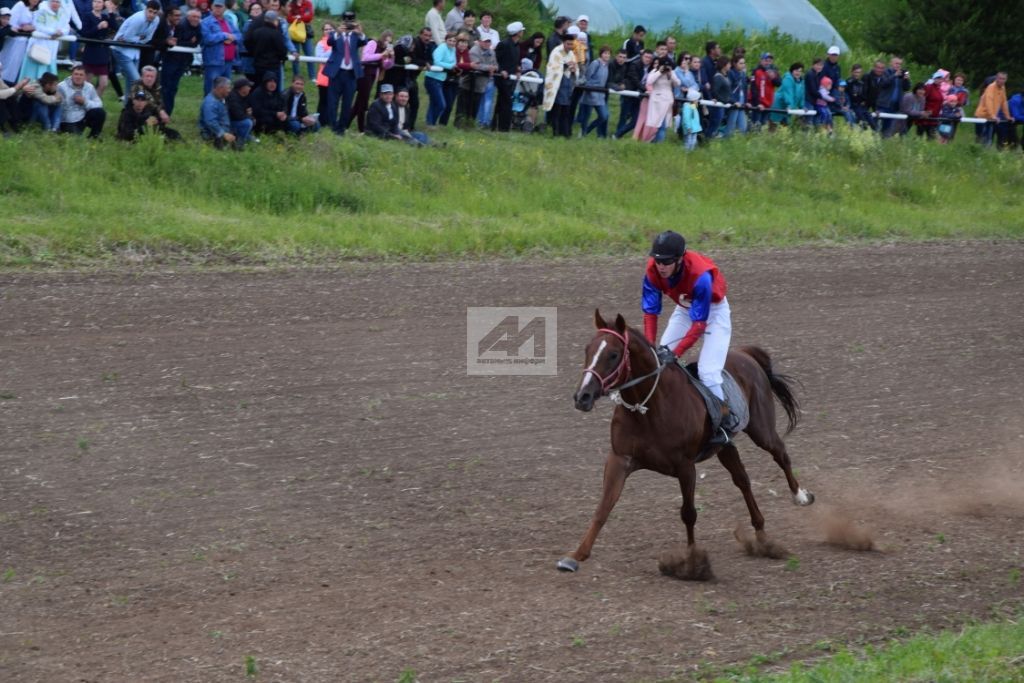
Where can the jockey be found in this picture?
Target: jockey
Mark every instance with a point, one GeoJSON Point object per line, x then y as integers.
{"type": "Point", "coordinates": [692, 277]}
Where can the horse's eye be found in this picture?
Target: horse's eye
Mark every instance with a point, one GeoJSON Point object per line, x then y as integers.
{"type": "Point", "coordinates": [613, 356]}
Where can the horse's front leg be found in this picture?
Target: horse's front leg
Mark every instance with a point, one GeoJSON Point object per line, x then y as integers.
{"type": "Point", "coordinates": [616, 469]}
{"type": "Point", "coordinates": [692, 563]}
{"type": "Point", "coordinates": [687, 486]}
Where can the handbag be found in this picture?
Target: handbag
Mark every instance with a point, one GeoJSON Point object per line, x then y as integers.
{"type": "Point", "coordinates": [40, 53]}
{"type": "Point", "coordinates": [945, 129]}
{"type": "Point", "coordinates": [297, 31]}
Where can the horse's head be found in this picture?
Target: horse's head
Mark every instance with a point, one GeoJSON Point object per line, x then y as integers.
{"type": "Point", "coordinates": [606, 364]}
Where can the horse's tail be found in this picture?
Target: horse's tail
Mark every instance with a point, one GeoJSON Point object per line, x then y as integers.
{"type": "Point", "coordinates": [782, 385]}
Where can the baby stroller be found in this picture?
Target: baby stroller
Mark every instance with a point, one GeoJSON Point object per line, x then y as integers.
{"type": "Point", "coordinates": [525, 99]}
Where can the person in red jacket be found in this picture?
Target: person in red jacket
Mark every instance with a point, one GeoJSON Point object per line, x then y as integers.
{"type": "Point", "coordinates": [302, 10]}
{"type": "Point", "coordinates": [698, 288]}
{"type": "Point", "coordinates": [762, 88]}
{"type": "Point", "coordinates": [934, 97]}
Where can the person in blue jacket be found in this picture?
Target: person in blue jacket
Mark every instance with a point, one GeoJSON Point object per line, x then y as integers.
{"type": "Point", "coordinates": [220, 40]}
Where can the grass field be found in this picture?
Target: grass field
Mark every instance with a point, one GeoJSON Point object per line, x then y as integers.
{"type": "Point", "coordinates": [71, 200]}
{"type": "Point", "coordinates": [978, 653]}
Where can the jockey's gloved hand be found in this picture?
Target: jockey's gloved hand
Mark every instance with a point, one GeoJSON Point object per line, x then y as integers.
{"type": "Point", "coordinates": [666, 355]}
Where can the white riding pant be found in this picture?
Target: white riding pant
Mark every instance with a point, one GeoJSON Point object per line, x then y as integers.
{"type": "Point", "coordinates": [714, 345]}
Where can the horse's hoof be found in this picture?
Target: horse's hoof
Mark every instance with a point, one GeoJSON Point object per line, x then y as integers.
{"type": "Point", "coordinates": [803, 497]}
{"type": "Point", "coordinates": [567, 564]}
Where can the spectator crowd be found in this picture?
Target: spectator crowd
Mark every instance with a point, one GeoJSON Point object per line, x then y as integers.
{"type": "Point", "coordinates": [472, 76]}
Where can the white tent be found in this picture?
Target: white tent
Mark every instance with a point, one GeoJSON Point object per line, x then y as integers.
{"type": "Point", "coordinates": [798, 18]}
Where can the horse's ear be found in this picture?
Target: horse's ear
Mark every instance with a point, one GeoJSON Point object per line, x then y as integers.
{"type": "Point", "coordinates": [620, 324]}
{"type": "Point", "coordinates": [599, 321]}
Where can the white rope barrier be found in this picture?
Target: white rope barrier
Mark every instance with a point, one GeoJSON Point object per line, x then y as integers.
{"type": "Point", "coordinates": [529, 79]}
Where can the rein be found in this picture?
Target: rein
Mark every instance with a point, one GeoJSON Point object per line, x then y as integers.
{"type": "Point", "coordinates": [621, 371]}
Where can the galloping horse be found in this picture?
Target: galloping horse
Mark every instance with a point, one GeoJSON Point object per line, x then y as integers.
{"type": "Point", "coordinates": [661, 424]}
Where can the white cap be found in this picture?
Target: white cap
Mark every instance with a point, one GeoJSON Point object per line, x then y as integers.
{"type": "Point", "coordinates": [583, 17]}
{"type": "Point", "coordinates": [5, 12]}
{"type": "Point", "coordinates": [573, 30]}
{"type": "Point", "coordinates": [515, 27]}
{"type": "Point", "coordinates": [834, 50]}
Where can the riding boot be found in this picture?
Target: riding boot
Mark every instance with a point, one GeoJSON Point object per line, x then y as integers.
{"type": "Point", "coordinates": [729, 420]}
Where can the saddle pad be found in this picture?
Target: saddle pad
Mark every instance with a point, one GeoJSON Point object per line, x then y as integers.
{"type": "Point", "coordinates": [739, 416]}
{"type": "Point", "coordinates": [737, 403]}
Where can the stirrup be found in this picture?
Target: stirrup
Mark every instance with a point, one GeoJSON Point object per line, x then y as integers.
{"type": "Point", "coordinates": [720, 438]}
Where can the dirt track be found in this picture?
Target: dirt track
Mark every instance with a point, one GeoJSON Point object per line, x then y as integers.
{"type": "Point", "coordinates": [200, 467]}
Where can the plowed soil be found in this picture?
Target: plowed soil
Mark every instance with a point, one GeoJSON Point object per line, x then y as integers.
{"type": "Point", "coordinates": [199, 467]}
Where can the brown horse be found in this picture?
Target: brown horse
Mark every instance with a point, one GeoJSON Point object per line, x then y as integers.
{"type": "Point", "coordinates": [662, 424]}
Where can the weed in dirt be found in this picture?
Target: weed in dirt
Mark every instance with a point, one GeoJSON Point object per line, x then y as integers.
{"type": "Point", "coordinates": [901, 632]}
{"type": "Point", "coordinates": [243, 405]}
{"type": "Point", "coordinates": [8, 575]}
{"type": "Point", "coordinates": [119, 600]}
{"type": "Point", "coordinates": [7, 395]}
{"type": "Point", "coordinates": [111, 376]}
{"type": "Point", "coordinates": [763, 660]}
{"type": "Point", "coordinates": [1014, 576]}
{"type": "Point", "coordinates": [824, 646]}
{"type": "Point", "coordinates": [216, 635]}
{"type": "Point", "coordinates": [407, 676]}
{"type": "Point", "coordinates": [705, 606]}
{"type": "Point", "coordinates": [792, 564]}
{"type": "Point", "coordinates": [250, 666]}
{"type": "Point", "coordinates": [940, 538]}
{"type": "Point", "coordinates": [578, 641]}
{"type": "Point", "coordinates": [83, 445]}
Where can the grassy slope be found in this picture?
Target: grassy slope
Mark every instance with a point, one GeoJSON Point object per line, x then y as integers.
{"type": "Point", "coordinates": [70, 198]}
{"type": "Point", "coordinates": [980, 653]}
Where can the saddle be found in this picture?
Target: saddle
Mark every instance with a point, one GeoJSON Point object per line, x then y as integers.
{"type": "Point", "coordinates": [733, 414]}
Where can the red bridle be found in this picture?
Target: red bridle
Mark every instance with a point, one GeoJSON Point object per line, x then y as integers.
{"type": "Point", "coordinates": [621, 371]}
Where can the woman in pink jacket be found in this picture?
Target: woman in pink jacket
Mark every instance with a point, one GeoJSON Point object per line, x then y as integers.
{"type": "Point", "coordinates": [378, 56]}
{"type": "Point", "coordinates": [661, 80]}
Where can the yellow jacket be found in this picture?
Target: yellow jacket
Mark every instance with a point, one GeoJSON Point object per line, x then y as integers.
{"type": "Point", "coordinates": [993, 100]}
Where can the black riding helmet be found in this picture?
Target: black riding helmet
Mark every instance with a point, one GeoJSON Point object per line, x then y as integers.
{"type": "Point", "coordinates": [668, 245]}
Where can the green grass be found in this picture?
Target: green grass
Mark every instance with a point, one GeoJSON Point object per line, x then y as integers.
{"type": "Point", "coordinates": [71, 200]}
{"type": "Point", "coordinates": [990, 652]}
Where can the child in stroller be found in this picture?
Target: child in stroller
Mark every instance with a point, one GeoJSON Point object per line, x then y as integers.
{"type": "Point", "coordinates": [526, 97]}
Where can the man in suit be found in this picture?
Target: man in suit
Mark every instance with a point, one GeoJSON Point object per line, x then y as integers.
{"type": "Point", "coordinates": [507, 54]}
{"type": "Point", "coordinates": [343, 69]}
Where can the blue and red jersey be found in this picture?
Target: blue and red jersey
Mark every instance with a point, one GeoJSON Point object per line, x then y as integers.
{"type": "Point", "coordinates": [698, 281]}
